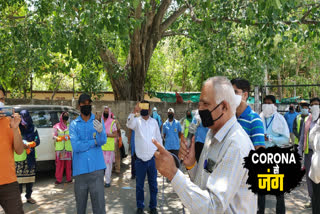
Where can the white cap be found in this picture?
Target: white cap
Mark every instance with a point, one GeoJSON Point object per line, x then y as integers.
{"type": "Point", "coordinates": [171, 110]}
{"type": "Point", "coordinates": [154, 109]}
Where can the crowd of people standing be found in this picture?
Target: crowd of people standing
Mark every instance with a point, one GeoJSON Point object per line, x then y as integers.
{"type": "Point", "coordinates": [227, 129]}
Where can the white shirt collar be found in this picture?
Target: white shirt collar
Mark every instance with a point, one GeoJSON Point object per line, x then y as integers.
{"type": "Point", "coordinates": [225, 129]}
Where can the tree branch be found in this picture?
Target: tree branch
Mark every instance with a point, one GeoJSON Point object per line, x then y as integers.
{"type": "Point", "coordinates": [161, 11]}
{"type": "Point", "coordinates": [166, 24]}
{"type": "Point", "coordinates": [179, 33]}
{"type": "Point", "coordinates": [308, 12]}
{"type": "Point", "coordinates": [239, 21]}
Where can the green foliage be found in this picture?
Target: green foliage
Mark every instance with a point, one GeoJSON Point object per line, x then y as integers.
{"type": "Point", "coordinates": [61, 40]}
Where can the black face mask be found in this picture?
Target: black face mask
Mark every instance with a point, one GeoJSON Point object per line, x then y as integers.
{"type": "Point", "coordinates": [291, 108]}
{"type": "Point", "coordinates": [188, 116]}
{"type": "Point", "coordinates": [65, 118]}
{"type": "Point", "coordinates": [144, 112]}
{"type": "Point", "coordinates": [206, 117]}
{"type": "Point", "coordinates": [106, 115]}
{"type": "Point", "coordinates": [85, 110]}
{"type": "Point", "coordinates": [170, 116]}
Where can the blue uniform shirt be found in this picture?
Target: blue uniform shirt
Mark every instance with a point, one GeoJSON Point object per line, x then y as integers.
{"type": "Point", "coordinates": [290, 119]}
{"type": "Point", "coordinates": [201, 133]}
{"type": "Point", "coordinates": [87, 156]}
{"type": "Point", "coordinates": [172, 141]}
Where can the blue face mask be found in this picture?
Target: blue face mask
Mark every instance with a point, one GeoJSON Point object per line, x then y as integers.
{"type": "Point", "coordinates": [305, 111]}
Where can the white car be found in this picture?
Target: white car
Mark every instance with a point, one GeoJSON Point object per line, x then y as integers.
{"type": "Point", "coordinates": [44, 118]}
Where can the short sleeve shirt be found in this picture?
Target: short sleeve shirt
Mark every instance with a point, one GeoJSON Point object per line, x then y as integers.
{"type": "Point", "coordinates": [7, 166]}
{"type": "Point", "coordinates": [252, 124]}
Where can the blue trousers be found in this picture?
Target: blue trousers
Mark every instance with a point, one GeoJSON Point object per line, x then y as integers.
{"type": "Point", "coordinates": [148, 168]}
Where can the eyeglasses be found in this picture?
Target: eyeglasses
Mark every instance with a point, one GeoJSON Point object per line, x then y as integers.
{"type": "Point", "coordinates": [2, 99]}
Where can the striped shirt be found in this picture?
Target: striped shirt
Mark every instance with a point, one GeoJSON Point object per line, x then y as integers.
{"type": "Point", "coordinates": [220, 187]}
{"type": "Point", "coordinates": [253, 125]}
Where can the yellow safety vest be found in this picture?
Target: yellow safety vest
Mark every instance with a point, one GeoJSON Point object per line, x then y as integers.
{"type": "Point", "coordinates": [63, 145]}
{"type": "Point", "coordinates": [298, 120]}
{"type": "Point", "coordinates": [109, 146]}
{"type": "Point", "coordinates": [23, 156]}
{"type": "Point", "coordinates": [186, 129]}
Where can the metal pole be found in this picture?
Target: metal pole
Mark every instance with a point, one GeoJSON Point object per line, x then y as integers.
{"type": "Point", "coordinates": [256, 100]}
{"type": "Point", "coordinates": [73, 87]}
{"type": "Point", "coordinates": [31, 84]}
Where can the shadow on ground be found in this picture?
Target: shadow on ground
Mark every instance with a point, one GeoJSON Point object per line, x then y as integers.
{"type": "Point", "coordinates": [120, 197]}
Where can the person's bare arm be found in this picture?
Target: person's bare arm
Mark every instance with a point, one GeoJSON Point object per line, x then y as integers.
{"type": "Point", "coordinates": [113, 134]}
{"type": "Point", "coordinates": [257, 147]}
{"type": "Point", "coordinates": [17, 139]}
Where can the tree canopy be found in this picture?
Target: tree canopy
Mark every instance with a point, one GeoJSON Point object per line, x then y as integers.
{"type": "Point", "coordinates": [134, 46]}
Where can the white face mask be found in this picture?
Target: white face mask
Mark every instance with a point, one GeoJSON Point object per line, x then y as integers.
{"type": "Point", "coordinates": [314, 112]}
{"type": "Point", "coordinates": [268, 109]}
{"type": "Point", "coordinates": [305, 111]}
{"type": "Point", "coordinates": [1, 104]}
{"type": "Point", "coordinates": [238, 99]}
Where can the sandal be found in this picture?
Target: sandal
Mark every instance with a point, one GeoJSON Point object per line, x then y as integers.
{"type": "Point", "coordinates": [31, 201]}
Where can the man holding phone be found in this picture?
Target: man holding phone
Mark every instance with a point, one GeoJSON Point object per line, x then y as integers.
{"type": "Point", "coordinates": [10, 140]}
{"type": "Point", "coordinates": [145, 128]}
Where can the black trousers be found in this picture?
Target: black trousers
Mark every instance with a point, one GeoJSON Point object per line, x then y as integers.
{"type": "Point", "coordinates": [280, 206]}
{"type": "Point", "coordinates": [198, 148]}
{"type": "Point", "coordinates": [10, 199]}
{"type": "Point", "coordinates": [28, 189]}
{"type": "Point", "coordinates": [316, 198]}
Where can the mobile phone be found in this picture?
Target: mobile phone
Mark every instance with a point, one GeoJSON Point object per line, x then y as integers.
{"type": "Point", "coordinates": [7, 111]}
{"type": "Point", "coordinates": [144, 106]}
{"type": "Point", "coordinates": [98, 116]}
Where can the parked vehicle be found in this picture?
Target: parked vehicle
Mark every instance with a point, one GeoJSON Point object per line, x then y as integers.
{"type": "Point", "coordinates": [44, 118]}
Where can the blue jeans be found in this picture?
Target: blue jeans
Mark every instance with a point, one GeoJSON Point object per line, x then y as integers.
{"type": "Point", "coordinates": [148, 168]}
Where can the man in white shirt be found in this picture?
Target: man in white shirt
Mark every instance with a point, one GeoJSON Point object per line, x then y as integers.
{"type": "Point", "coordinates": [146, 128]}
{"type": "Point", "coordinates": [218, 180]}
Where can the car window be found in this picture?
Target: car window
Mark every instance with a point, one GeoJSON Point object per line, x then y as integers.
{"type": "Point", "coordinates": [73, 116]}
{"type": "Point", "coordinates": [41, 119]}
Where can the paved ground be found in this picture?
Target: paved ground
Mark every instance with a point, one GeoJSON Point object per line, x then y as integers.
{"type": "Point", "coordinates": [120, 198]}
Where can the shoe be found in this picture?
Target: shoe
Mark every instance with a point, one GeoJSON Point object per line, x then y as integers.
{"type": "Point", "coordinates": [153, 211]}
{"type": "Point", "coordinates": [57, 183]}
{"type": "Point", "coordinates": [308, 205]}
{"type": "Point", "coordinates": [139, 211]}
{"type": "Point", "coordinates": [31, 201]}
{"type": "Point", "coordinates": [69, 182]}
{"type": "Point", "coordinates": [133, 177]}
{"type": "Point", "coordinates": [107, 185]}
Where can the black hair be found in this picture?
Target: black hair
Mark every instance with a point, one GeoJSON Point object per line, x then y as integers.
{"type": "Point", "coordinates": [3, 90]}
{"type": "Point", "coordinates": [315, 99]}
{"type": "Point", "coordinates": [242, 84]}
{"type": "Point", "coordinates": [270, 97]}
{"type": "Point", "coordinates": [304, 104]}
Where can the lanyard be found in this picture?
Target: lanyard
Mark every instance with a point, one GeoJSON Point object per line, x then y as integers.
{"type": "Point", "coordinates": [267, 125]}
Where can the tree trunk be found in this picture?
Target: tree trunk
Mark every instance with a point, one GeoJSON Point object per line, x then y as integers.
{"type": "Point", "coordinates": [279, 84]}
{"type": "Point", "coordinates": [299, 56]}
{"type": "Point", "coordinates": [56, 88]}
{"type": "Point", "coordinates": [128, 81]}
{"type": "Point", "coordinates": [266, 79]}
